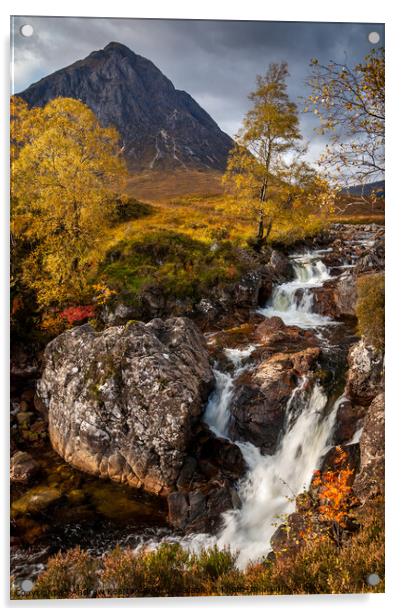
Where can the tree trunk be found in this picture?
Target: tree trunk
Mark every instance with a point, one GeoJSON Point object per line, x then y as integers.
{"type": "Point", "coordinates": [261, 225]}
{"type": "Point", "coordinates": [268, 228]}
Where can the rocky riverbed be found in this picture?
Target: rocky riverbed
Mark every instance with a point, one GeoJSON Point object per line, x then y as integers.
{"type": "Point", "coordinates": [141, 432]}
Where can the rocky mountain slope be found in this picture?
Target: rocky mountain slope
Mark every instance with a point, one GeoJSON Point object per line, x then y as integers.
{"type": "Point", "coordinates": [161, 127]}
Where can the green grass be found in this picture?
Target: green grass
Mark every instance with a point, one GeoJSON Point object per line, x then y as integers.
{"type": "Point", "coordinates": [175, 262]}
{"type": "Point", "coordinates": [186, 246]}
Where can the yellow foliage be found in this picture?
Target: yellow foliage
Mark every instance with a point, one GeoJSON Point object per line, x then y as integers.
{"type": "Point", "coordinates": [66, 170]}
{"type": "Point", "coordinates": [265, 171]}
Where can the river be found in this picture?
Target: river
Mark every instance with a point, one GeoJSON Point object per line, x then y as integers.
{"type": "Point", "coordinates": [271, 482]}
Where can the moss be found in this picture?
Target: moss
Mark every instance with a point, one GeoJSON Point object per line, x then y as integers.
{"type": "Point", "coordinates": [132, 322]}
{"type": "Point", "coordinates": [36, 500]}
{"type": "Point", "coordinates": [235, 336]}
{"type": "Point", "coordinates": [98, 373]}
{"type": "Point", "coordinates": [370, 309]}
{"type": "Point", "coordinates": [180, 266]}
{"type": "Point", "coordinates": [116, 502]}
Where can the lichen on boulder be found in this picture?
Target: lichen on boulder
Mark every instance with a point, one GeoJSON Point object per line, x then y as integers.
{"type": "Point", "coordinates": [121, 403]}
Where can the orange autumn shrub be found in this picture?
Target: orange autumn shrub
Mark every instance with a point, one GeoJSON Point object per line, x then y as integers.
{"type": "Point", "coordinates": [334, 490]}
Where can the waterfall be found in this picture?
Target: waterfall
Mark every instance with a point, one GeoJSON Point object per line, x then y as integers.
{"type": "Point", "coordinates": [217, 413]}
{"type": "Point", "coordinates": [292, 301]}
{"type": "Point", "coordinates": [268, 490]}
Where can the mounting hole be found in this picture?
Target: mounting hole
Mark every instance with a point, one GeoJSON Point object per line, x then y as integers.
{"type": "Point", "coordinates": [26, 585]}
{"type": "Point", "coordinates": [373, 579]}
{"type": "Point", "coordinates": [26, 30]}
{"type": "Point", "coordinates": [374, 37]}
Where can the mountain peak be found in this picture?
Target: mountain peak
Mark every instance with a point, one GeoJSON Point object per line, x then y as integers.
{"type": "Point", "coordinates": [115, 46]}
{"type": "Point", "coordinates": [160, 127]}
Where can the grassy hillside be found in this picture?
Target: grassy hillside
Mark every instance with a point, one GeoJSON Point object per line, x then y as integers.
{"type": "Point", "coordinates": [185, 245]}
{"type": "Point", "coordinates": [161, 185]}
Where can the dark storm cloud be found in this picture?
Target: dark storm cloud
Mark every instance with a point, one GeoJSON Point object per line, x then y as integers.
{"type": "Point", "coordinates": [216, 62]}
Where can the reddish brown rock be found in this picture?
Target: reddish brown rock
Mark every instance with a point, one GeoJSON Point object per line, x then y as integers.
{"type": "Point", "coordinates": [336, 298]}
{"type": "Point", "coordinates": [273, 333]}
{"type": "Point", "coordinates": [260, 400]}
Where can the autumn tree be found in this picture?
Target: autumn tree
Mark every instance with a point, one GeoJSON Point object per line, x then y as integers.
{"type": "Point", "coordinates": [257, 168]}
{"type": "Point", "coordinates": [349, 102]}
{"type": "Point", "coordinates": [65, 173]}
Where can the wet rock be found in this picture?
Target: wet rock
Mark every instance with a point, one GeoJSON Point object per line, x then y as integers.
{"type": "Point", "coordinates": [336, 298]}
{"type": "Point", "coordinates": [304, 502]}
{"type": "Point", "coordinates": [208, 309]}
{"type": "Point", "coordinates": [372, 259]}
{"type": "Point", "coordinates": [348, 421]}
{"type": "Point", "coordinates": [24, 418]}
{"type": "Point", "coordinates": [41, 407]}
{"type": "Point", "coordinates": [200, 510]}
{"type": "Point", "coordinates": [35, 500]}
{"type": "Point", "coordinates": [365, 374]}
{"type": "Point", "coordinates": [76, 496]}
{"type": "Point", "coordinates": [206, 485]}
{"type": "Point", "coordinates": [223, 458]}
{"type": "Point", "coordinates": [233, 337]}
{"type": "Point", "coordinates": [345, 295]}
{"type": "Point", "coordinates": [252, 290]}
{"type": "Point", "coordinates": [22, 467]}
{"type": "Point", "coordinates": [246, 291]}
{"type": "Point", "coordinates": [24, 364]}
{"type": "Point", "coordinates": [370, 480]}
{"type": "Point", "coordinates": [23, 406]}
{"type": "Point", "coordinates": [265, 290]}
{"type": "Point", "coordinates": [28, 395]}
{"type": "Point", "coordinates": [288, 539]}
{"type": "Point", "coordinates": [260, 399]}
{"type": "Point", "coordinates": [122, 402]}
{"type": "Point", "coordinates": [117, 313]}
{"type": "Point", "coordinates": [273, 333]}
{"type": "Point", "coordinates": [280, 267]}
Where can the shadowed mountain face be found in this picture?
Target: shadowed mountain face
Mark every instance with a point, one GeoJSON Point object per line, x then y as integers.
{"type": "Point", "coordinates": [160, 127]}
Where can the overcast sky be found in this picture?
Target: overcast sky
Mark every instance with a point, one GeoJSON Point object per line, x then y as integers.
{"type": "Point", "coordinates": [214, 61]}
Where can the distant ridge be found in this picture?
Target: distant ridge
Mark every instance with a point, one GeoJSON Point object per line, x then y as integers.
{"type": "Point", "coordinates": [366, 189]}
{"type": "Point", "coordinates": [161, 127]}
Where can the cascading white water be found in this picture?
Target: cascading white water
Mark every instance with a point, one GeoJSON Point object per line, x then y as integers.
{"type": "Point", "coordinates": [217, 413]}
{"type": "Point", "coordinates": [292, 301]}
{"type": "Point", "coordinates": [267, 491]}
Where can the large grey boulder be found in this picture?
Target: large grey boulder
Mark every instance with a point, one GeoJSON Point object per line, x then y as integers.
{"type": "Point", "coordinates": [121, 403]}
